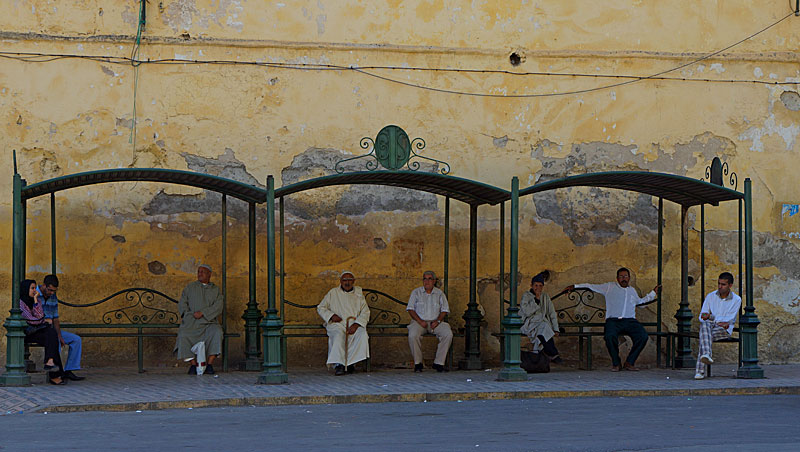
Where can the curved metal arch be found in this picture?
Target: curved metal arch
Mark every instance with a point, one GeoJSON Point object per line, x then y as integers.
{"type": "Point", "coordinates": [678, 189]}
{"type": "Point", "coordinates": [236, 189]}
{"type": "Point", "coordinates": [465, 190]}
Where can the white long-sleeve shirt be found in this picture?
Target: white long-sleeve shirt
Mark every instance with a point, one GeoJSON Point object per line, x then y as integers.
{"type": "Point", "coordinates": [723, 309]}
{"type": "Point", "coordinates": [621, 301]}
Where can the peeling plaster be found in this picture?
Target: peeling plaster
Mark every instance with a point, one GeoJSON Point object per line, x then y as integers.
{"type": "Point", "coordinates": [346, 200]}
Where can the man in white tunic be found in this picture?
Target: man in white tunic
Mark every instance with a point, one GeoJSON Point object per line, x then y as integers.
{"type": "Point", "coordinates": [621, 302]}
{"type": "Point", "coordinates": [200, 305]}
{"type": "Point", "coordinates": [428, 307]}
{"type": "Point", "coordinates": [345, 314]}
{"type": "Point", "coordinates": [540, 322]}
{"type": "Point", "coordinates": [717, 318]}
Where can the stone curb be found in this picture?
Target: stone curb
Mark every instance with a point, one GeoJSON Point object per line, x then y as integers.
{"type": "Point", "coordinates": [413, 397]}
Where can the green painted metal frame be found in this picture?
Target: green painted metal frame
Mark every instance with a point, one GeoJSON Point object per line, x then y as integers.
{"type": "Point", "coordinates": [15, 374]}
{"type": "Point", "coordinates": [15, 360]}
{"type": "Point", "coordinates": [668, 186]}
{"type": "Point", "coordinates": [468, 191]}
{"type": "Point", "coordinates": [512, 322]}
{"type": "Point", "coordinates": [272, 325]}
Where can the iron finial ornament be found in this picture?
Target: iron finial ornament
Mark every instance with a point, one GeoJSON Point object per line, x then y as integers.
{"type": "Point", "coordinates": [716, 172]}
{"type": "Point", "coordinates": [392, 149]}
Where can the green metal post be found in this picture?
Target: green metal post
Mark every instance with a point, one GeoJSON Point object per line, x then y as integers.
{"type": "Point", "coordinates": [251, 315]}
{"type": "Point", "coordinates": [224, 282]}
{"type": "Point", "coordinates": [272, 325]}
{"type": "Point", "coordinates": [23, 262]}
{"type": "Point", "coordinates": [741, 274]}
{"type": "Point", "coordinates": [502, 279]}
{"type": "Point", "coordinates": [15, 374]}
{"type": "Point", "coordinates": [683, 351]}
{"type": "Point", "coordinates": [283, 262]}
{"type": "Point", "coordinates": [660, 276]}
{"type": "Point", "coordinates": [472, 317]}
{"type": "Point", "coordinates": [53, 233]}
{"type": "Point", "coordinates": [702, 253]}
{"type": "Point", "coordinates": [748, 323]}
{"type": "Point", "coordinates": [512, 321]}
{"type": "Point", "coordinates": [446, 286]}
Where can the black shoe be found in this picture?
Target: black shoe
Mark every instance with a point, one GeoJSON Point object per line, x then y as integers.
{"type": "Point", "coordinates": [439, 368]}
{"type": "Point", "coordinates": [418, 367]}
{"type": "Point", "coordinates": [68, 374]}
{"type": "Point", "coordinates": [209, 370]}
{"type": "Point", "coordinates": [339, 370]}
{"type": "Point", "coordinates": [192, 370]}
{"type": "Point", "coordinates": [351, 368]}
{"type": "Point", "coordinates": [557, 360]}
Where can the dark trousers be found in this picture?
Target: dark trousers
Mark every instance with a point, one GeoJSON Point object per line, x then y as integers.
{"type": "Point", "coordinates": [629, 327]}
{"type": "Point", "coordinates": [548, 347]}
{"type": "Point", "coordinates": [48, 338]}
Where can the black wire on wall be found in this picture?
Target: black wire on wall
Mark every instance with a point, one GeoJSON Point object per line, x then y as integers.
{"type": "Point", "coordinates": [32, 57]}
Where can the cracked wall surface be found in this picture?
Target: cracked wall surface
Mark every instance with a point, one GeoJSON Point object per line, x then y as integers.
{"type": "Point", "coordinates": [282, 114]}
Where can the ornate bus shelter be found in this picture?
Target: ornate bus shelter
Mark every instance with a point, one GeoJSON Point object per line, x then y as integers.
{"type": "Point", "coordinates": [15, 373]}
{"type": "Point", "coordinates": [687, 193]}
{"type": "Point", "coordinates": [392, 160]}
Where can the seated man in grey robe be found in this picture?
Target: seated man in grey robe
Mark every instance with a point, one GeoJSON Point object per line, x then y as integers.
{"type": "Point", "coordinates": [540, 320]}
{"type": "Point", "coordinates": [199, 307]}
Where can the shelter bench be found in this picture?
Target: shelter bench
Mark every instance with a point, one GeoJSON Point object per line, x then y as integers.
{"type": "Point", "coordinates": [384, 321]}
{"type": "Point", "coordinates": [673, 340]}
{"type": "Point", "coordinates": [141, 313]}
{"type": "Point", "coordinates": [582, 319]}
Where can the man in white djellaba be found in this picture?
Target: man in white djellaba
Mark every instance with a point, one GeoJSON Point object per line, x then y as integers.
{"type": "Point", "coordinates": [345, 314]}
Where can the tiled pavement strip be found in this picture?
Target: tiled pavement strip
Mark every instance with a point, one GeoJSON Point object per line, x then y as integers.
{"type": "Point", "coordinates": [124, 389]}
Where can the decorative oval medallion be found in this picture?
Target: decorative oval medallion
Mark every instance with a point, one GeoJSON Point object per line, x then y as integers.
{"type": "Point", "coordinates": [392, 147]}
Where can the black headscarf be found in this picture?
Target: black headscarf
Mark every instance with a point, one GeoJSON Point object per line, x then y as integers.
{"type": "Point", "coordinates": [24, 289]}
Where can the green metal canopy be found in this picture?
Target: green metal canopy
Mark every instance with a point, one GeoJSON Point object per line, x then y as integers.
{"type": "Point", "coordinates": [465, 190]}
{"type": "Point", "coordinates": [678, 189]}
{"type": "Point", "coordinates": [240, 190]}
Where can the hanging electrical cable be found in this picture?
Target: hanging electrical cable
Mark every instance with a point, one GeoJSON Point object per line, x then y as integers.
{"type": "Point", "coordinates": [134, 60]}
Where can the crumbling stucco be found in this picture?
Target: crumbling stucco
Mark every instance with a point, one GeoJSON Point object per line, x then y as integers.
{"type": "Point", "coordinates": [349, 200]}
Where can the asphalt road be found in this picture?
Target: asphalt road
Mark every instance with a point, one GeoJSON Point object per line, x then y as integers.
{"type": "Point", "coordinates": [725, 424]}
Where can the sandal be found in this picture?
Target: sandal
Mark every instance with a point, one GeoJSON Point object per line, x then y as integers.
{"type": "Point", "coordinates": [52, 381]}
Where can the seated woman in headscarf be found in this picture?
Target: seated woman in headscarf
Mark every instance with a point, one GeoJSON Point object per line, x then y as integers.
{"type": "Point", "coordinates": [39, 331]}
{"type": "Point", "coordinates": [539, 317]}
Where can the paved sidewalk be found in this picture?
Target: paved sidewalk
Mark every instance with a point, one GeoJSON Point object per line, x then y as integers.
{"type": "Point", "coordinates": [124, 389]}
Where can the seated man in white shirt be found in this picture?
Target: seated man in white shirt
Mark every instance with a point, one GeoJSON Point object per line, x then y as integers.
{"type": "Point", "coordinates": [717, 318]}
{"type": "Point", "coordinates": [428, 307]}
{"type": "Point", "coordinates": [621, 302]}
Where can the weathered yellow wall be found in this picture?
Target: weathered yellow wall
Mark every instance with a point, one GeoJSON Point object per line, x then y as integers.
{"type": "Point", "coordinates": [247, 121]}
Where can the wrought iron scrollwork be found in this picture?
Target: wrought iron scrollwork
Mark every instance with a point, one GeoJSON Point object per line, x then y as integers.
{"type": "Point", "coordinates": [392, 149]}
{"type": "Point", "coordinates": [581, 311]}
{"type": "Point", "coordinates": [139, 311]}
{"type": "Point", "coordinates": [717, 171]}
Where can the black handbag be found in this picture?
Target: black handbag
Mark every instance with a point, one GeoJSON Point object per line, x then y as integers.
{"type": "Point", "coordinates": [32, 329]}
{"type": "Point", "coordinates": [535, 363]}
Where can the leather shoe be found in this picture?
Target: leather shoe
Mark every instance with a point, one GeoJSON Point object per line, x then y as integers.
{"type": "Point", "coordinates": [69, 374]}
{"type": "Point", "coordinates": [52, 381]}
{"type": "Point", "coordinates": [418, 367]}
{"type": "Point", "coordinates": [339, 370]}
{"type": "Point", "coordinates": [209, 370]}
{"type": "Point", "coordinates": [351, 368]}
{"type": "Point", "coordinates": [615, 368]}
{"type": "Point", "coordinates": [192, 370]}
{"type": "Point", "coordinates": [439, 368]}
{"type": "Point", "coordinates": [629, 366]}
